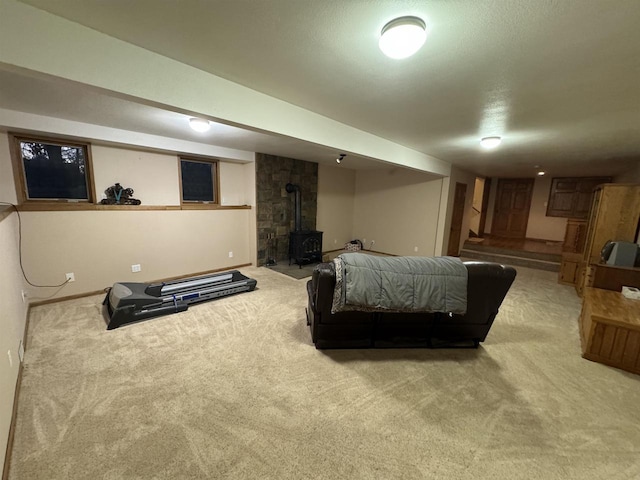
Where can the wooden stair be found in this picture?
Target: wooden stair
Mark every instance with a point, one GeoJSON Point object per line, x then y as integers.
{"type": "Point", "coordinates": [541, 261]}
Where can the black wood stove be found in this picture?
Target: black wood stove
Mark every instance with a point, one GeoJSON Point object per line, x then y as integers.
{"type": "Point", "coordinates": [305, 246]}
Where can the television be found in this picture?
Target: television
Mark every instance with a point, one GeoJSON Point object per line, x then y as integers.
{"type": "Point", "coordinates": [622, 254]}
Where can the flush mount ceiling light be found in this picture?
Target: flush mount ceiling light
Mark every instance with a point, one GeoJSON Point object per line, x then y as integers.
{"type": "Point", "coordinates": [341, 157]}
{"type": "Point", "coordinates": [490, 142]}
{"type": "Point", "coordinates": [541, 173]}
{"type": "Point", "coordinates": [402, 37]}
{"type": "Point", "coordinates": [199, 125]}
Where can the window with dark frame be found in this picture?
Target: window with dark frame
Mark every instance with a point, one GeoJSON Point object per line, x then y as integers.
{"type": "Point", "coordinates": [52, 170]}
{"type": "Point", "coordinates": [199, 181]}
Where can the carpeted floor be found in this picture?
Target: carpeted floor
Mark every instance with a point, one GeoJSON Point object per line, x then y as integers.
{"type": "Point", "coordinates": [234, 389]}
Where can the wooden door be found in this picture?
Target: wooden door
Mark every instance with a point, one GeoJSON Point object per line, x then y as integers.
{"type": "Point", "coordinates": [456, 221]}
{"type": "Point", "coordinates": [511, 212]}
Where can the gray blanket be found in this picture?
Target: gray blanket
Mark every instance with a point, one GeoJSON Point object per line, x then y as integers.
{"type": "Point", "coordinates": [402, 284]}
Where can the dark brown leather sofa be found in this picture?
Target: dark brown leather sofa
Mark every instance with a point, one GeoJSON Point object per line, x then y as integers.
{"type": "Point", "coordinates": [487, 285]}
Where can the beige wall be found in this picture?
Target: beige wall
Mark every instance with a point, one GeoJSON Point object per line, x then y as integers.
{"type": "Point", "coordinates": [336, 198]}
{"type": "Point", "coordinates": [7, 185]}
{"type": "Point", "coordinates": [152, 176]}
{"type": "Point", "coordinates": [399, 210]}
{"type": "Point", "coordinates": [13, 314]}
{"type": "Point", "coordinates": [540, 226]}
{"type": "Point", "coordinates": [100, 247]}
{"type": "Point", "coordinates": [13, 311]}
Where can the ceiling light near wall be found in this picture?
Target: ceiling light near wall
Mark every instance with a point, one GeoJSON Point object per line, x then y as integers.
{"type": "Point", "coordinates": [490, 142]}
{"type": "Point", "coordinates": [341, 157]}
{"type": "Point", "coordinates": [541, 173]}
{"type": "Point", "coordinates": [402, 37]}
{"type": "Point", "coordinates": [199, 124]}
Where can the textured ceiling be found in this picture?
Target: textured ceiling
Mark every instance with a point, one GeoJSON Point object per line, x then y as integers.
{"type": "Point", "coordinates": [559, 80]}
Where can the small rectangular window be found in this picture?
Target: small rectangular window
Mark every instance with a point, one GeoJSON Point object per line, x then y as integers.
{"type": "Point", "coordinates": [52, 170]}
{"type": "Point", "coordinates": [199, 181]}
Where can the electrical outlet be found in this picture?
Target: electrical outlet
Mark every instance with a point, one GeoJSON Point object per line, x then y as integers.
{"type": "Point", "coordinates": [415, 249]}
{"type": "Point", "coordinates": [230, 254]}
{"type": "Point", "coordinates": [24, 296]}
{"type": "Point", "coordinates": [70, 277]}
{"type": "Point", "coordinates": [10, 358]}
{"type": "Point", "coordinates": [136, 268]}
{"type": "Point", "coordinates": [335, 241]}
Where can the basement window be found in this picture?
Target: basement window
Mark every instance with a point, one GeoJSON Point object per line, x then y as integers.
{"type": "Point", "coordinates": [52, 170]}
{"type": "Point", "coordinates": [199, 181]}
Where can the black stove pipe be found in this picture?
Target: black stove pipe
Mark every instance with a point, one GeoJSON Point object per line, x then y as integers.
{"type": "Point", "coordinates": [298, 208]}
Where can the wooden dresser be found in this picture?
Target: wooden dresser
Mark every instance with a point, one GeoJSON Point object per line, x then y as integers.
{"type": "Point", "coordinates": [610, 329]}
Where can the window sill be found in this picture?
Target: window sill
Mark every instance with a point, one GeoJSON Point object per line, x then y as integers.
{"type": "Point", "coordinates": [72, 206]}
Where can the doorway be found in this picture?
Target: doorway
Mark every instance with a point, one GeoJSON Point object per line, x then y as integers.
{"type": "Point", "coordinates": [453, 249]}
{"type": "Point", "coordinates": [511, 211]}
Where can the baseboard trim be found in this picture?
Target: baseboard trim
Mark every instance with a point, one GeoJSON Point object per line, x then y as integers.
{"type": "Point", "coordinates": [104, 290]}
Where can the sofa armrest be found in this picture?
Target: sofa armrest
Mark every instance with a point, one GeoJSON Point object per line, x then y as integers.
{"type": "Point", "coordinates": [323, 281]}
{"type": "Point", "coordinates": [488, 284]}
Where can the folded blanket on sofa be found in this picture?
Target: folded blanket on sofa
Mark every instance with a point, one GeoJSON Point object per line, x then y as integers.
{"type": "Point", "coordinates": [402, 284]}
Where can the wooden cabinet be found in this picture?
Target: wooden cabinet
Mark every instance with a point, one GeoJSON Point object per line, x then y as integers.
{"type": "Point", "coordinates": [614, 215]}
{"type": "Point", "coordinates": [569, 268]}
{"type": "Point", "coordinates": [575, 236]}
{"type": "Point", "coordinates": [610, 329]}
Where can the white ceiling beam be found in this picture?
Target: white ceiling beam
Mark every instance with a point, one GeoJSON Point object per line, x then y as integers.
{"type": "Point", "coordinates": [61, 48]}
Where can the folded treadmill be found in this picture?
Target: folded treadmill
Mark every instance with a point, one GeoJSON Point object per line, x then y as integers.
{"type": "Point", "coordinates": [132, 302]}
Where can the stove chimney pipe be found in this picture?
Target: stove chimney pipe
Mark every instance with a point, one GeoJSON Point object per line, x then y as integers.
{"type": "Point", "coordinates": [298, 208]}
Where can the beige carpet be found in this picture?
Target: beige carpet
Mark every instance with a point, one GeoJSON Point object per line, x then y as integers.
{"type": "Point", "coordinates": [234, 389]}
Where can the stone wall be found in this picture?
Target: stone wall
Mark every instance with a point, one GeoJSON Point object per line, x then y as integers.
{"type": "Point", "coordinates": [275, 208]}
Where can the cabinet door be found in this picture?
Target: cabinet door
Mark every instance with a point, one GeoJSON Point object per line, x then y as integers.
{"type": "Point", "coordinates": [568, 272]}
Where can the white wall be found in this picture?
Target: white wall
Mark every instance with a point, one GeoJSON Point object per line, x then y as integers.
{"type": "Point", "coordinates": [399, 210]}
{"type": "Point", "coordinates": [336, 199]}
{"type": "Point", "coordinates": [458, 176]}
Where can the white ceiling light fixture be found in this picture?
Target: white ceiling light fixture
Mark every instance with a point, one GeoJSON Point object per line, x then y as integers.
{"type": "Point", "coordinates": [199, 124]}
{"type": "Point", "coordinates": [541, 173]}
{"type": "Point", "coordinates": [402, 37]}
{"type": "Point", "coordinates": [490, 142]}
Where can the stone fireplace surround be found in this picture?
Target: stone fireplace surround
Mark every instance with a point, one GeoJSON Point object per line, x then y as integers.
{"type": "Point", "coordinates": [275, 207]}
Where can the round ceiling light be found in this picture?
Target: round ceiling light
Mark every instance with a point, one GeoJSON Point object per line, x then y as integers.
{"type": "Point", "coordinates": [402, 37]}
{"type": "Point", "coordinates": [199, 124]}
{"type": "Point", "coordinates": [490, 142]}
